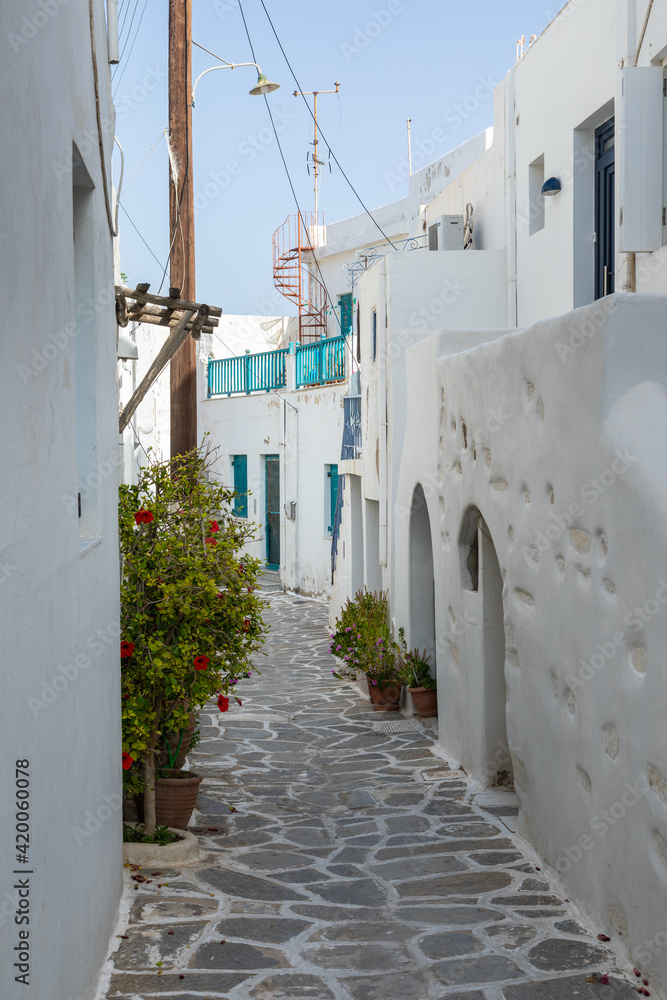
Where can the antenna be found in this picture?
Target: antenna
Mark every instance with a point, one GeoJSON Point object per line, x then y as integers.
{"type": "Point", "coordinates": [317, 163]}
{"type": "Point", "coordinates": [409, 148]}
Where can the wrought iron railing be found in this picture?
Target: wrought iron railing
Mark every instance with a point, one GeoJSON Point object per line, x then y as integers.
{"type": "Point", "coordinates": [321, 362]}
{"type": "Point", "coordinates": [351, 447]}
{"type": "Point", "coordinates": [369, 255]}
{"type": "Point", "coordinates": [247, 373]}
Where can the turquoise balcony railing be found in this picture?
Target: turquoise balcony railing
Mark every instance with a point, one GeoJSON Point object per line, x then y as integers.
{"type": "Point", "coordinates": [321, 362]}
{"type": "Point", "coordinates": [247, 373]}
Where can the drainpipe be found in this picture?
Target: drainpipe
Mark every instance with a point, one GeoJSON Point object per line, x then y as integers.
{"type": "Point", "coordinates": [510, 196]}
{"type": "Point", "coordinates": [382, 415]}
{"type": "Point", "coordinates": [112, 31]}
{"type": "Point", "coordinates": [631, 57]}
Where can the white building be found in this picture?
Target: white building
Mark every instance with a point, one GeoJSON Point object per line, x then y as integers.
{"type": "Point", "coordinates": [60, 781]}
{"type": "Point", "coordinates": [511, 490]}
{"type": "Point", "coordinates": [277, 417]}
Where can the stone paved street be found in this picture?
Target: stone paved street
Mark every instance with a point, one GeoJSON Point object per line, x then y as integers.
{"type": "Point", "coordinates": [338, 869]}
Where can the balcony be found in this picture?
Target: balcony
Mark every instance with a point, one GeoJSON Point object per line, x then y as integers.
{"type": "Point", "coordinates": [314, 364]}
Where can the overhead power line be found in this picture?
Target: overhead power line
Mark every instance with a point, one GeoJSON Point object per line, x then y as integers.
{"type": "Point", "coordinates": [333, 155]}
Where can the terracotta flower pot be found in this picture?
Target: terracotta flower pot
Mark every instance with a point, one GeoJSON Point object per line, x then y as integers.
{"type": "Point", "coordinates": [385, 699]}
{"type": "Point", "coordinates": [425, 701]}
{"type": "Point", "coordinates": [175, 798]}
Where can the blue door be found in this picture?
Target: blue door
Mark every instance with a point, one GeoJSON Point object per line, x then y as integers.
{"type": "Point", "coordinates": [272, 513]}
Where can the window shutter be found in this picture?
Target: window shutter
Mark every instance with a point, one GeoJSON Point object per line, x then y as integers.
{"type": "Point", "coordinates": [333, 492]}
{"type": "Point", "coordinates": [240, 463]}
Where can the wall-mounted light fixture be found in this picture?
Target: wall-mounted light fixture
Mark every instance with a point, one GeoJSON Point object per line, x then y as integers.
{"type": "Point", "coordinates": [551, 187]}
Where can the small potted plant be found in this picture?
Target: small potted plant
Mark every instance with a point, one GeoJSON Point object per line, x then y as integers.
{"type": "Point", "coordinates": [364, 642]}
{"type": "Point", "coordinates": [190, 620]}
{"type": "Point", "coordinates": [415, 671]}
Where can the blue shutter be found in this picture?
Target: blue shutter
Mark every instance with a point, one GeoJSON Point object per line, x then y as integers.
{"type": "Point", "coordinates": [333, 494]}
{"type": "Point", "coordinates": [240, 463]}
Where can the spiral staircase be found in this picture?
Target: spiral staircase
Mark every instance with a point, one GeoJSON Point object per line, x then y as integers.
{"type": "Point", "coordinates": [293, 245]}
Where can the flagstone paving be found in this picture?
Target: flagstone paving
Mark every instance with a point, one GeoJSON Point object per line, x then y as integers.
{"type": "Point", "coordinates": [332, 869]}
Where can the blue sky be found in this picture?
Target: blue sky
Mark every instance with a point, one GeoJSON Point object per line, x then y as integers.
{"type": "Point", "coordinates": [394, 59]}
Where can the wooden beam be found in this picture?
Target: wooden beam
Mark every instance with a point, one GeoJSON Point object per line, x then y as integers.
{"type": "Point", "coordinates": [171, 345]}
{"type": "Point", "coordinates": [163, 300]}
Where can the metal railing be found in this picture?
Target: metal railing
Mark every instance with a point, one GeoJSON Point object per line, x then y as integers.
{"type": "Point", "coordinates": [351, 447]}
{"type": "Point", "coordinates": [247, 373]}
{"type": "Point", "coordinates": [316, 364]}
{"type": "Point", "coordinates": [321, 362]}
{"type": "Point", "coordinates": [369, 255]}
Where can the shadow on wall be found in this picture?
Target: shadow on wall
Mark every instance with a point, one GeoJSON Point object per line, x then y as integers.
{"type": "Point", "coordinates": [482, 579]}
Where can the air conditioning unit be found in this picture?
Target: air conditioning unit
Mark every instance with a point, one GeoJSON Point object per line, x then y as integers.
{"type": "Point", "coordinates": [446, 233]}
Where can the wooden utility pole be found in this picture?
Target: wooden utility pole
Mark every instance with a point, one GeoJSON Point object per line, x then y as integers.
{"type": "Point", "coordinates": [183, 367]}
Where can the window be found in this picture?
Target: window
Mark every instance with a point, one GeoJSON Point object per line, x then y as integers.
{"type": "Point", "coordinates": [240, 468]}
{"type": "Point", "coordinates": [345, 305]}
{"type": "Point", "coordinates": [374, 335]}
{"type": "Point", "coordinates": [536, 198]}
{"type": "Point", "coordinates": [332, 478]}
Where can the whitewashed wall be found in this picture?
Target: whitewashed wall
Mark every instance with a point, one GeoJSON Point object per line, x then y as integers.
{"type": "Point", "coordinates": [58, 574]}
{"type": "Point", "coordinates": [555, 436]}
{"type": "Point", "coordinates": [305, 429]}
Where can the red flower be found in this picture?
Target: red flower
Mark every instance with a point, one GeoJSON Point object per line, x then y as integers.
{"type": "Point", "coordinates": [211, 541]}
{"type": "Point", "coordinates": [241, 570]}
{"type": "Point", "coordinates": [143, 516]}
{"type": "Point", "coordinates": [223, 703]}
{"type": "Point", "coordinates": [246, 625]}
{"type": "Point", "coordinates": [238, 700]}
{"type": "Point", "coordinates": [127, 761]}
{"type": "Point", "coordinates": [214, 526]}
{"type": "Point", "coordinates": [201, 662]}
{"type": "Point", "coordinates": [126, 648]}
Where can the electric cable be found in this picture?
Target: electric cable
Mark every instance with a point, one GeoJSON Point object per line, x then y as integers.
{"type": "Point", "coordinates": [159, 262]}
{"type": "Point", "coordinates": [98, 116]}
{"type": "Point", "coordinates": [296, 200]}
{"type": "Point", "coordinates": [139, 166]}
{"type": "Point", "coordinates": [335, 158]}
{"type": "Point", "coordinates": [127, 61]}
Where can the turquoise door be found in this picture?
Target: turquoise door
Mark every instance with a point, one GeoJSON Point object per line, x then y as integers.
{"type": "Point", "coordinates": [272, 512]}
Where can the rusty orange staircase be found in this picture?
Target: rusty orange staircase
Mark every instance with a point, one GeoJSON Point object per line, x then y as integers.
{"type": "Point", "coordinates": [293, 243]}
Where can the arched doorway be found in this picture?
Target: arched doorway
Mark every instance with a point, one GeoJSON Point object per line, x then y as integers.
{"type": "Point", "coordinates": [422, 582]}
{"type": "Point", "coordinates": [485, 645]}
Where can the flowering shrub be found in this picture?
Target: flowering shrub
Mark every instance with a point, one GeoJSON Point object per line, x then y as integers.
{"type": "Point", "coordinates": [363, 638]}
{"type": "Point", "coordinates": [414, 669]}
{"type": "Point", "coordinates": [190, 617]}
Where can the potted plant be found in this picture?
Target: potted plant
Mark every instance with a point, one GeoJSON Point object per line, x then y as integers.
{"type": "Point", "coordinates": [363, 640]}
{"type": "Point", "coordinates": [190, 617]}
{"type": "Point", "coordinates": [415, 672]}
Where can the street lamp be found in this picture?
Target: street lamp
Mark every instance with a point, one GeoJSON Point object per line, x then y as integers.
{"type": "Point", "coordinates": [263, 86]}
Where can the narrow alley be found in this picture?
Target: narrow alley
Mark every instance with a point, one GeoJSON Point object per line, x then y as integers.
{"type": "Point", "coordinates": [342, 860]}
